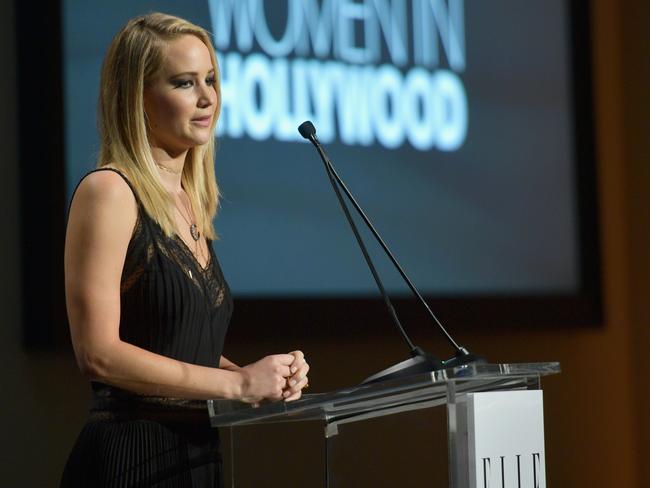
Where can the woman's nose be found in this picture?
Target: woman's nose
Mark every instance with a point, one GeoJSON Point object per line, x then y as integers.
{"type": "Point", "coordinates": [207, 96]}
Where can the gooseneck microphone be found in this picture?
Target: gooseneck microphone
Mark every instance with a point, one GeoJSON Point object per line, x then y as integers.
{"type": "Point", "coordinates": [420, 360]}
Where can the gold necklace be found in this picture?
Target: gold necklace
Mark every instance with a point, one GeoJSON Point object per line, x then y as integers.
{"type": "Point", "coordinates": [164, 168]}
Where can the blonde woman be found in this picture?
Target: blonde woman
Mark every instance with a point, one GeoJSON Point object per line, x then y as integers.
{"type": "Point", "coordinates": [147, 302]}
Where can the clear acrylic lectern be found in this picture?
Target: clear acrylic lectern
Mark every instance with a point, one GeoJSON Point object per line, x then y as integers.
{"type": "Point", "coordinates": [446, 387]}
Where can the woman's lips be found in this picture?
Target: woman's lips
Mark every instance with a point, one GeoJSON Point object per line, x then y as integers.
{"type": "Point", "coordinates": [203, 121]}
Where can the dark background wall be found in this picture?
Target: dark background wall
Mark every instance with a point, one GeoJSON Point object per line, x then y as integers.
{"type": "Point", "coordinates": [597, 427]}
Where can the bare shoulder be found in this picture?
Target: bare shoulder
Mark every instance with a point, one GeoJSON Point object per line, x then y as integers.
{"type": "Point", "coordinates": [103, 203]}
{"type": "Point", "coordinates": [105, 185]}
{"type": "Point", "coordinates": [108, 190]}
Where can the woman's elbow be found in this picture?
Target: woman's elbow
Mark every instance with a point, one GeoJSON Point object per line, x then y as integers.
{"type": "Point", "coordinates": [94, 365]}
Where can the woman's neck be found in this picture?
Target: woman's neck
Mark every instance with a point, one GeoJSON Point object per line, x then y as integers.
{"type": "Point", "coordinates": [170, 168]}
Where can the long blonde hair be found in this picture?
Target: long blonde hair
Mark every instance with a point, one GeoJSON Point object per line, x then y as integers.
{"type": "Point", "coordinates": [134, 57]}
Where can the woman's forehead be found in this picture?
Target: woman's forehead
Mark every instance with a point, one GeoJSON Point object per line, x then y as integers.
{"type": "Point", "coordinates": [187, 54]}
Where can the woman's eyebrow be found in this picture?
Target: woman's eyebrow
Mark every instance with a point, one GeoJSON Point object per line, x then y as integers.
{"type": "Point", "coordinates": [193, 73]}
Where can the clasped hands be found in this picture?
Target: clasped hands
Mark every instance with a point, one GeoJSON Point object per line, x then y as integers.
{"type": "Point", "coordinates": [276, 377]}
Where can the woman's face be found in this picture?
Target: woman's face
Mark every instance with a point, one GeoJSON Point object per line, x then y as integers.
{"type": "Point", "coordinates": [181, 100]}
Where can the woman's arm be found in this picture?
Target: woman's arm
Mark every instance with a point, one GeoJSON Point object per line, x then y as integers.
{"type": "Point", "coordinates": [227, 364]}
{"type": "Point", "coordinates": [102, 217]}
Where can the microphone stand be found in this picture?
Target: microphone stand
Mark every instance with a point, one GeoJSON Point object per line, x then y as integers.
{"type": "Point", "coordinates": [420, 360]}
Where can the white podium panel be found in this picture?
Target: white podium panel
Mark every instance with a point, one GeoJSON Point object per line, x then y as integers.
{"type": "Point", "coordinates": [505, 439]}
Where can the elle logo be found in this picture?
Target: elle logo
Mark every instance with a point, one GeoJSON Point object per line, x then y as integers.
{"type": "Point", "coordinates": [502, 471]}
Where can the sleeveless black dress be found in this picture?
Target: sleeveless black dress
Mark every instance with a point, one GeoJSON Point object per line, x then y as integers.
{"type": "Point", "coordinates": [172, 306]}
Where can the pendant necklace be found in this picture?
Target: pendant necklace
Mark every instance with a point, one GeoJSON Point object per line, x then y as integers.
{"type": "Point", "coordinates": [194, 230]}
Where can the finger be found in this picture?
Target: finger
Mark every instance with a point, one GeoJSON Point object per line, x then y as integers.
{"type": "Point", "coordinates": [283, 371]}
{"type": "Point", "coordinates": [295, 396]}
{"type": "Point", "coordinates": [278, 395]}
{"type": "Point", "coordinates": [254, 401]}
{"type": "Point", "coordinates": [299, 361]}
{"type": "Point", "coordinates": [296, 385]}
{"type": "Point", "coordinates": [298, 355]}
{"type": "Point", "coordinates": [285, 359]}
{"type": "Point", "coordinates": [281, 387]}
{"type": "Point", "coordinates": [300, 371]}
{"type": "Point", "coordinates": [299, 375]}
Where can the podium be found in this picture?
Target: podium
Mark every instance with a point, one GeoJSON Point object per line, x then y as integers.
{"type": "Point", "coordinates": [494, 418]}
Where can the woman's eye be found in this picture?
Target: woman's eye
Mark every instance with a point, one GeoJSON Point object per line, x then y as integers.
{"type": "Point", "coordinates": [210, 81]}
{"type": "Point", "coordinates": [183, 83]}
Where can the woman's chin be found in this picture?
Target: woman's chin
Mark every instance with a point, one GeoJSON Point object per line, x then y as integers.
{"type": "Point", "coordinates": [197, 140]}
{"type": "Point", "coordinates": [202, 138]}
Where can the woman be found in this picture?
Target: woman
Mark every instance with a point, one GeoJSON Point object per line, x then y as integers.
{"type": "Point", "coordinates": [147, 302]}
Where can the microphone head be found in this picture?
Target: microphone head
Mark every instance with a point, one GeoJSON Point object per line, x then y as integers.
{"type": "Point", "coordinates": [307, 129]}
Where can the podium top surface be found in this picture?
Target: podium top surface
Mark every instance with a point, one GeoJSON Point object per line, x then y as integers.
{"type": "Point", "coordinates": [384, 398]}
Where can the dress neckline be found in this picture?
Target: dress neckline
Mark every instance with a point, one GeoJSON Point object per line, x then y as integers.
{"type": "Point", "coordinates": [178, 238]}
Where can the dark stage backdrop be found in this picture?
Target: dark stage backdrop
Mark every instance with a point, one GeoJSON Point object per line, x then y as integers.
{"type": "Point", "coordinates": [459, 125]}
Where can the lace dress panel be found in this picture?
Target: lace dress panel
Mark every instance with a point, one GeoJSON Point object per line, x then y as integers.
{"type": "Point", "coordinates": [136, 269]}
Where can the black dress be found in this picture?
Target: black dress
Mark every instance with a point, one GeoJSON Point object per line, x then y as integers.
{"type": "Point", "coordinates": [170, 305]}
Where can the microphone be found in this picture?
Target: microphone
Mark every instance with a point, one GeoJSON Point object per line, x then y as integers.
{"type": "Point", "coordinates": [307, 130]}
{"type": "Point", "coordinates": [420, 360]}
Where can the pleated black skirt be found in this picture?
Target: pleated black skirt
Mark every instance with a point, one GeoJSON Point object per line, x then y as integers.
{"type": "Point", "coordinates": [145, 448]}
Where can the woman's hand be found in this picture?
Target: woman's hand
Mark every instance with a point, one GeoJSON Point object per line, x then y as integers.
{"type": "Point", "coordinates": [266, 378]}
{"type": "Point", "coordinates": [298, 379]}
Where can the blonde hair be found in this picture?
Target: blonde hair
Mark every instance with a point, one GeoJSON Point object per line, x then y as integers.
{"type": "Point", "coordinates": [134, 58]}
